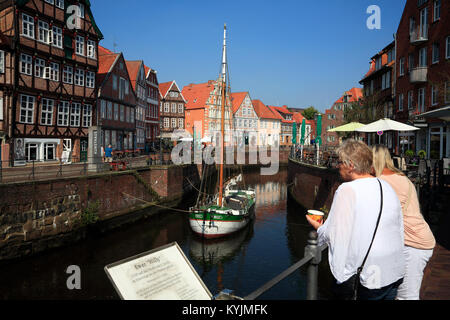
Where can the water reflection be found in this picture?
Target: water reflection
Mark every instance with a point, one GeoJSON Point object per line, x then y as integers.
{"type": "Point", "coordinates": [243, 262]}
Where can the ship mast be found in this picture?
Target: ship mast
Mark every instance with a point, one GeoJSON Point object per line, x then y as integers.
{"type": "Point", "coordinates": [223, 79]}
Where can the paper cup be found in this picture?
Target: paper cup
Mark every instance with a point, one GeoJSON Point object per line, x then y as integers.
{"type": "Point", "coordinates": [316, 215]}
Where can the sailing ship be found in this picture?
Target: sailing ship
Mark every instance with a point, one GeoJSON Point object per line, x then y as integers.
{"type": "Point", "coordinates": [233, 206]}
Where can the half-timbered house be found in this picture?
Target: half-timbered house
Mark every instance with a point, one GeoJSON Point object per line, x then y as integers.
{"type": "Point", "coordinates": [116, 102]}
{"type": "Point", "coordinates": [51, 79]}
{"type": "Point", "coordinates": [152, 114]}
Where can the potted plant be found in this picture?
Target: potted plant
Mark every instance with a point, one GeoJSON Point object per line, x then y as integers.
{"type": "Point", "coordinates": [422, 154]}
{"type": "Point", "coordinates": [409, 154]}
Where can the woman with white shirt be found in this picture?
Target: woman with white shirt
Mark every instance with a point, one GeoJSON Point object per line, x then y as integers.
{"type": "Point", "coordinates": [351, 224]}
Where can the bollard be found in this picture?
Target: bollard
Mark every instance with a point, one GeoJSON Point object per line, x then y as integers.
{"type": "Point", "coordinates": [313, 267]}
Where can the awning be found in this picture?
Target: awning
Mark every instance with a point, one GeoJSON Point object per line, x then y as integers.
{"type": "Point", "coordinates": [165, 135]}
{"type": "Point", "coordinates": [442, 113]}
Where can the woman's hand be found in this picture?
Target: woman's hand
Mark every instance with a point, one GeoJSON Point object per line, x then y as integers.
{"type": "Point", "coordinates": [316, 225]}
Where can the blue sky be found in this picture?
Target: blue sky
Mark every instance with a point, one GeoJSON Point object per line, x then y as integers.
{"type": "Point", "coordinates": [288, 52]}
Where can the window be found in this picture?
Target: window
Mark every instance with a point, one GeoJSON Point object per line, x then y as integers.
{"type": "Point", "coordinates": [400, 102]}
{"type": "Point", "coordinates": [79, 46]}
{"type": "Point", "coordinates": [421, 100]}
{"type": "Point", "coordinates": [91, 49]}
{"type": "Point", "coordinates": [110, 110]}
{"type": "Point", "coordinates": [437, 10]}
{"type": "Point", "coordinates": [435, 53]}
{"type": "Point", "coordinates": [81, 12]}
{"type": "Point", "coordinates": [26, 64]}
{"type": "Point", "coordinates": [181, 123]}
{"type": "Point", "coordinates": [49, 151]}
{"type": "Point", "coordinates": [423, 57]}
{"type": "Point", "coordinates": [447, 50]}
{"type": "Point", "coordinates": [122, 113]}
{"type": "Point", "coordinates": [54, 71]}
{"type": "Point", "coordinates": [27, 26]}
{"type": "Point", "coordinates": [60, 4]}
{"type": "Point", "coordinates": [447, 92]}
{"type": "Point", "coordinates": [411, 62]}
{"type": "Point", "coordinates": [31, 152]}
{"type": "Point", "coordinates": [174, 108]}
{"type": "Point", "coordinates": [90, 79]}
{"type": "Point", "coordinates": [44, 32]}
{"type": "Point", "coordinates": [39, 68]}
{"type": "Point", "coordinates": [386, 81]}
{"type": "Point", "coordinates": [166, 122]}
{"type": "Point", "coordinates": [180, 108]}
{"type": "Point", "coordinates": [75, 114]}
{"type": "Point", "coordinates": [127, 114]}
{"type": "Point", "coordinates": [391, 55]}
{"type": "Point", "coordinates": [122, 88]}
{"type": "Point", "coordinates": [57, 37]}
{"type": "Point", "coordinates": [434, 95]}
{"type": "Point", "coordinates": [68, 74]}
{"type": "Point", "coordinates": [63, 113]}
{"type": "Point", "coordinates": [114, 80]}
{"type": "Point", "coordinates": [174, 123]}
{"type": "Point", "coordinates": [2, 61]}
{"type": "Point", "coordinates": [410, 100]}
{"type": "Point", "coordinates": [79, 77]}
{"type": "Point", "coordinates": [116, 112]}
{"type": "Point", "coordinates": [26, 109]}
{"type": "Point", "coordinates": [102, 109]}
{"type": "Point", "coordinates": [87, 115]}
{"type": "Point", "coordinates": [132, 115]}
{"type": "Point", "coordinates": [402, 67]}
{"type": "Point", "coordinates": [166, 107]}
{"type": "Point", "coordinates": [378, 63]}
{"type": "Point", "coordinates": [1, 108]}
{"type": "Point", "coordinates": [49, 1]}
{"type": "Point", "coordinates": [47, 112]}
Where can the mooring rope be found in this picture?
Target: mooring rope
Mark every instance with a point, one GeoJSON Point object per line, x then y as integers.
{"type": "Point", "coordinates": [154, 204]}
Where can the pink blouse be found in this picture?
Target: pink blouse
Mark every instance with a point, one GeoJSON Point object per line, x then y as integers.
{"type": "Point", "coordinates": [417, 232]}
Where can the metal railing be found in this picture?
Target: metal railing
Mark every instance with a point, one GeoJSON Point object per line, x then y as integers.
{"type": "Point", "coordinates": [312, 259]}
{"type": "Point", "coordinates": [325, 157]}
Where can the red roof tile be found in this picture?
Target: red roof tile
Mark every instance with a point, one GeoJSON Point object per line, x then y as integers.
{"type": "Point", "coordinates": [105, 62]}
{"type": "Point", "coordinates": [103, 51]}
{"type": "Point", "coordinates": [236, 100]}
{"type": "Point", "coordinates": [164, 87]}
{"type": "Point", "coordinates": [354, 93]}
{"type": "Point", "coordinates": [133, 68]}
{"type": "Point", "coordinates": [197, 95]}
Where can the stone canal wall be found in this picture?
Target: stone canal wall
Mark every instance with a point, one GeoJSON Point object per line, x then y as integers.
{"type": "Point", "coordinates": [39, 215]}
{"type": "Point", "coordinates": [311, 186]}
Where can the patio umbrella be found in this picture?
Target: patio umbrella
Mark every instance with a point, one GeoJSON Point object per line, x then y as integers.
{"type": "Point", "coordinates": [319, 130]}
{"type": "Point", "coordinates": [386, 125]}
{"type": "Point", "coordinates": [349, 127]}
{"type": "Point", "coordinates": [294, 134]}
{"type": "Point", "coordinates": [302, 139]}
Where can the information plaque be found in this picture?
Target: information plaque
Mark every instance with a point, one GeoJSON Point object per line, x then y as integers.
{"type": "Point", "coordinates": [161, 274]}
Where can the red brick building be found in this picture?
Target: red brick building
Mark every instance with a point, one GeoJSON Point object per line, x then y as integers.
{"type": "Point", "coordinates": [116, 102]}
{"type": "Point", "coordinates": [423, 74]}
{"type": "Point", "coordinates": [334, 117]}
{"type": "Point", "coordinates": [48, 85]}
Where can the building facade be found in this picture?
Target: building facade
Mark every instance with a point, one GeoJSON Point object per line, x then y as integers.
{"type": "Point", "coordinates": [269, 125]}
{"type": "Point", "coordinates": [287, 122]}
{"type": "Point", "coordinates": [423, 74]}
{"type": "Point", "coordinates": [116, 102]}
{"type": "Point", "coordinates": [298, 120]}
{"type": "Point", "coordinates": [204, 106]}
{"type": "Point", "coordinates": [245, 120]}
{"type": "Point", "coordinates": [334, 117]}
{"type": "Point", "coordinates": [152, 115]}
{"type": "Point", "coordinates": [172, 108]}
{"type": "Point", "coordinates": [48, 87]}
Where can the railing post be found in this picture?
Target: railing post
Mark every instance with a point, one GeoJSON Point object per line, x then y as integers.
{"type": "Point", "coordinates": [313, 267]}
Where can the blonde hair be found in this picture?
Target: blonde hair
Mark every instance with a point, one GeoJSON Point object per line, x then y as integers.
{"type": "Point", "coordinates": [382, 160]}
{"type": "Point", "coordinates": [356, 153]}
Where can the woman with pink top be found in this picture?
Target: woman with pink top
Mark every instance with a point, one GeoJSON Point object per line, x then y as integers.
{"type": "Point", "coordinates": [419, 240]}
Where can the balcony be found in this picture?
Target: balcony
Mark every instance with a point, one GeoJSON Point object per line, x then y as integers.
{"type": "Point", "coordinates": [418, 75]}
{"type": "Point", "coordinates": [419, 35]}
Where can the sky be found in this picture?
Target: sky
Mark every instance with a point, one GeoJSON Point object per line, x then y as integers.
{"type": "Point", "coordinates": [288, 52]}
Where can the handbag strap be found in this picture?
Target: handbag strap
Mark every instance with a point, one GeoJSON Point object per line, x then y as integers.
{"type": "Point", "coordinates": [376, 229]}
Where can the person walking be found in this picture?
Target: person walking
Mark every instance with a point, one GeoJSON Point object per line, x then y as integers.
{"type": "Point", "coordinates": [364, 230]}
{"type": "Point", "coordinates": [419, 240]}
{"type": "Point", "coordinates": [108, 154]}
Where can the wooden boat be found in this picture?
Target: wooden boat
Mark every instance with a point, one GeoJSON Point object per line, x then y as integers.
{"type": "Point", "coordinates": [232, 208]}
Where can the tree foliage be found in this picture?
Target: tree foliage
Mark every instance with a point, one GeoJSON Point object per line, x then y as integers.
{"type": "Point", "coordinates": [310, 113]}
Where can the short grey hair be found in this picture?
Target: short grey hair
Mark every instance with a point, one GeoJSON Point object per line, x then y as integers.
{"type": "Point", "coordinates": [356, 153]}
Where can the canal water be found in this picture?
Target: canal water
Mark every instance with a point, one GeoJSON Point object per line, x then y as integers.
{"type": "Point", "coordinates": [244, 262]}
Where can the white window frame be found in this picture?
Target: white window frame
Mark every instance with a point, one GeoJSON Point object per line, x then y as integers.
{"type": "Point", "coordinates": [166, 122]}
{"type": "Point", "coordinates": [79, 46]}
{"type": "Point", "coordinates": [114, 82]}
{"type": "Point", "coordinates": [421, 96]}
{"type": "Point", "coordinates": [59, 4]}
{"type": "Point", "coordinates": [166, 107]}
{"type": "Point", "coordinates": [26, 64]}
{"type": "Point", "coordinates": [39, 68]}
{"type": "Point", "coordinates": [63, 113]}
{"type": "Point", "coordinates": [109, 110]}
{"type": "Point", "coordinates": [44, 32]}
{"type": "Point", "coordinates": [87, 115]}
{"type": "Point", "coordinates": [91, 49]}
{"type": "Point", "coordinates": [79, 77]}
{"type": "Point", "coordinates": [27, 26]}
{"type": "Point", "coordinates": [436, 10]}
{"type": "Point", "coordinates": [27, 104]}
{"type": "Point", "coordinates": [410, 100]}
{"type": "Point", "coordinates": [47, 107]}
{"type": "Point", "coordinates": [173, 108]}
{"type": "Point", "coordinates": [402, 66]}
{"type": "Point", "coordinates": [80, 13]}
{"type": "Point", "coordinates": [180, 123]}
{"type": "Point", "coordinates": [2, 61]}
{"type": "Point", "coordinates": [423, 57]}
{"type": "Point", "coordinates": [116, 112]}
{"type": "Point", "coordinates": [57, 38]}
{"type": "Point", "coordinates": [75, 115]}
{"type": "Point", "coordinates": [47, 147]}
{"type": "Point", "coordinates": [102, 109]}
{"type": "Point", "coordinates": [435, 53]}
{"type": "Point", "coordinates": [54, 71]}
{"type": "Point", "coordinates": [1, 108]}
{"type": "Point", "coordinates": [401, 98]}
{"type": "Point", "coordinates": [68, 74]}
{"type": "Point", "coordinates": [90, 79]}
{"type": "Point", "coordinates": [434, 95]}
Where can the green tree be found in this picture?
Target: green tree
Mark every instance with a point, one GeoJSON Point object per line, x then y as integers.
{"type": "Point", "coordinates": [310, 113]}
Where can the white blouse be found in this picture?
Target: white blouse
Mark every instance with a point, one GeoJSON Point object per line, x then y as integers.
{"type": "Point", "coordinates": [349, 230]}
